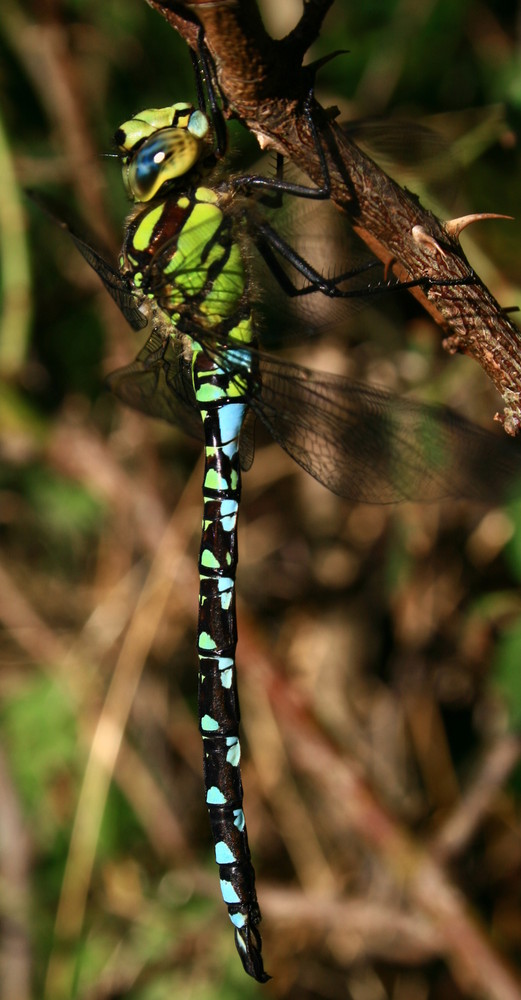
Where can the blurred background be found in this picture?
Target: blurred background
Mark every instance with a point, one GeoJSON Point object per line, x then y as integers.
{"type": "Point", "coordinates": [394, 630]}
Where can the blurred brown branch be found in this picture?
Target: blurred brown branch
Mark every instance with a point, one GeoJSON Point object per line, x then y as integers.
{"type": "Point", "coordinates": [465, 819]}
{"type": "Point", "coordinates": [476, 965]}
{"type": "Point", "coordinates": [15, 865]}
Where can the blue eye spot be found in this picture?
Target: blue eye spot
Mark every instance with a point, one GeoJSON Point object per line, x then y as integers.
{"type": "Point", "coordinates": [147, 165]}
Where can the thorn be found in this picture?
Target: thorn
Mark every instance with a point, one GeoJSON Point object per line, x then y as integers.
{"type": "Point", "coordinates": [264, 141]}
{"type": "Point", "coordinates": [454, 226]}
{"type": "Point", "coordinates": [313, 67]}
{"type": "Point", "coordinates": [421, 236]}
{"type": "Point", "coordinates": [510, 421]}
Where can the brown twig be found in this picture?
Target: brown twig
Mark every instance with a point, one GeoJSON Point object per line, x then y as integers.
{"type": "Point", "coordinates": [15, 863]}
{"type": "Point", "coordinates": [43, 50]}
{"type": "Point", "coordinates": [373, 927]}
{"type": "Point", "coordinates": [263, 84]}
{"type": "Point", "coordinates": [463, 822]}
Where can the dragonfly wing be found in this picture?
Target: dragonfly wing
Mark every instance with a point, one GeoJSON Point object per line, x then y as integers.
{"type": "Point", "coordinates": [431, 150]}
{"type": "Point", "coordinates": [116, 284]}
{"type": "Point", "coordinates": [367, 445]}
{"type": "Point", "coordinates": [247, 441]}
{"type": "Point", "coordinates": [159, 383]}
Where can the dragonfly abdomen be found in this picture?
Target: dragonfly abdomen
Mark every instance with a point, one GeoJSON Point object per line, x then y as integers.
{"type": "Point", "coordinates": [223, 415]}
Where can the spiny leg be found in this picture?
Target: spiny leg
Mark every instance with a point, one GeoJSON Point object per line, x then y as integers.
{"type": "Point", "coordinates": [270, 243]}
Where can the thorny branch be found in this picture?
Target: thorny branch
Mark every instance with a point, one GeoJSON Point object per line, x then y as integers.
{"type": "Point", "coordinates": [263, 83]}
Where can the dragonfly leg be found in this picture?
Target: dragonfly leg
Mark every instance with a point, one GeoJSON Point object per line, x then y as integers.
{"type": "Point", "coordinates": [204, 71]}
{"type": "Point", "coordinates": [270, 244]}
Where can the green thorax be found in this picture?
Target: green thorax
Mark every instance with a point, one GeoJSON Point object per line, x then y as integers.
{"type": "Point", "coordinates": [182, 252]}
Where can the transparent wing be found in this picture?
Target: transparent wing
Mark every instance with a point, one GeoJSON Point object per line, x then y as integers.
{"type": "Point", "coordinates": [159, 383]}
{"type": "Point", "coordinates": [116, 284]}
{"type": "Point", "coordinates": [247, 441]}
{"type": "Point", "coordinates": [370, 446]}
{"type": "Point", "coordinates": [361, 443]}
{"type": "Point", "coordinates": [408, 150]}
{"type": "Point", "coordinates": [432, 150]}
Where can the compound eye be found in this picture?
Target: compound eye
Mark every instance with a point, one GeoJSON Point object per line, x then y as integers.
{"type": "Point", "coordinates": [170, 154]}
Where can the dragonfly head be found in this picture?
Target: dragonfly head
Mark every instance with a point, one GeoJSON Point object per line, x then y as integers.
{"type": "Point", "coordinates": [158, 146]}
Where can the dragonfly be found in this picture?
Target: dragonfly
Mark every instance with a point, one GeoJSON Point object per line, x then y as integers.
{"type": "Point", "coordinates": [184, 274]}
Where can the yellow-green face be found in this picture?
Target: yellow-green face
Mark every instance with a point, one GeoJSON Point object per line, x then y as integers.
{"type": "Point", "coordinates": [159, 145]}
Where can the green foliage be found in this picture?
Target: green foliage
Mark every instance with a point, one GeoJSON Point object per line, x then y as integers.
{"type": "Point", "coordinates": [39, 731]}
{"type": "Point", "coordinates": [64, 508]}
{"type": "Point", "coordinates": [507, 673]}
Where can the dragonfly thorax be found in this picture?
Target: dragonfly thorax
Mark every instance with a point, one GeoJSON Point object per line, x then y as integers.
{"type": "Point", "coordinates": [158, 146]}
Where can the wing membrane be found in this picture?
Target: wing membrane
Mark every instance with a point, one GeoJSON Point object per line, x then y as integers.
{"type": "Point", "coordinates": [159, 384]}
{"type": "Point", "coordinates": [116, 284]}
{"type": "Point", "coordinates": [370, 446]}
{"type": "Point", "coordinates": [359, 442]}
